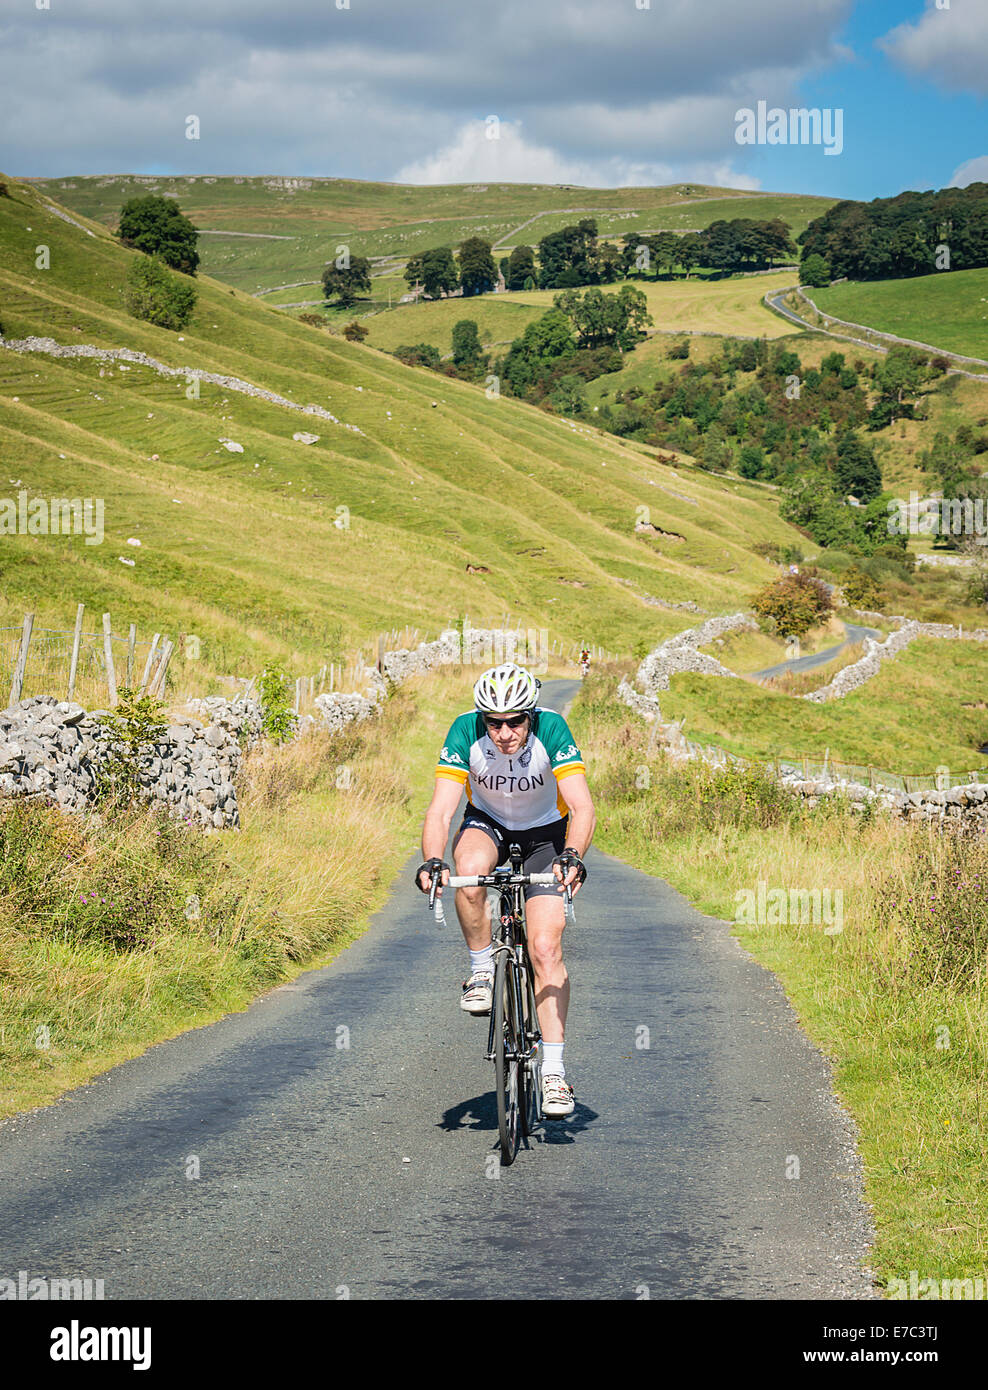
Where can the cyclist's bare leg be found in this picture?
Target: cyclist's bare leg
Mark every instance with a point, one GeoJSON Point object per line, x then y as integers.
{"type": "Point", "coordinates": [544, 923]}
{"type": "Point", "coordinates": [476, 853]}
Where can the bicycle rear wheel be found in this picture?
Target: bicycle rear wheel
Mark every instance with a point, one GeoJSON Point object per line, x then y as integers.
{"type": "Point", "coordinates": [506, 1053]}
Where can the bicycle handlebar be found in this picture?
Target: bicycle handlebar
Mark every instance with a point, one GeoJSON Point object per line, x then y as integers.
{"type": "Point", "coordinates": [504, 879]}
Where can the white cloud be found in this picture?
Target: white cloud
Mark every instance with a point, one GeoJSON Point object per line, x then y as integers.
{"type": "Point", "coordinates": [605, 93]}
{"type": "Point", "coordinates": [949, 45]}
{"type": "Point", "coordinates": [473, 156]}
{"type": "Point", "coordinates": [973, 171]}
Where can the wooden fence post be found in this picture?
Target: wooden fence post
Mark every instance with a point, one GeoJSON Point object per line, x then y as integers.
{"type": "Point", "coordinates": [111, 675]}
{"type": "Point", "coordinates": [131, 643]}
{"type": "Point", "coordinates": [157, 686]}
{"type": "Point", "coordinates": [76, 639]}
{"type": "Point", "coordinates": [380, 653]}
{"type": "Point", "coordinates": [149, 663]}
{"type": "Point", "coordinates": [17, 685]}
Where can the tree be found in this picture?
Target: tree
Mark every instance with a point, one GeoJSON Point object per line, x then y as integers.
{"type": "Point", "coordinates": [413, 271]}
{"type": "Point", "coordinates": [567, 396]}
{"type": "Point", "coordinates": [793, 604]}
{"type": "Point", "coordinates": [751, 461]}
{"type": "Point", "coordinates": [157, 296]}
{"type": "Point", "coordinates": [602, 318]}
{"type": "Point", "coordinates": [690, 251]}
{"type": "Point", "coordinates": [157, 227]}
{"type": "Point", "coordinates": [569, 257]}
{"type": "Point", "coordinates": [856, 472]}
{"type": "Point", "coordinates": [897, 378]}
{"type": "Point", "coordinates": [478, 273]}
{"type": "Point", "coordinates": [815, 271]}
{"type": "Point", "coordinates": [466, 344]}
{"type": "Point", "coordinates": [347, 281]}
{"type": "Point", "coordinates": [945, 463]}
{"type": "Point", "coordinates": [521, 267]}
{"type": "Point", "coordinates": [439, 273]}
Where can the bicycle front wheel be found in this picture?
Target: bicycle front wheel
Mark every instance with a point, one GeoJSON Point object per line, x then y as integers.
{"type": "Point", "coordinates": [506, 1055]}
{"type": "Point", "coordinates": [531, 1082]}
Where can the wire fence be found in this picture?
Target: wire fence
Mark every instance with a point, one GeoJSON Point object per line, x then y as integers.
{"type": "Point", "coordinates": [50, 655]}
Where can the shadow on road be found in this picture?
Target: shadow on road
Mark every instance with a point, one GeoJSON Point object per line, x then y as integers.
{"type": "Point", "coordinates": [480, 1112]}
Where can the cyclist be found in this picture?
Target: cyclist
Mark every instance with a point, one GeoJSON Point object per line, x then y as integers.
{"type": "Point", "coordinates": [526, 784]}
{"type": "Point", "coordinates": [585, 661]}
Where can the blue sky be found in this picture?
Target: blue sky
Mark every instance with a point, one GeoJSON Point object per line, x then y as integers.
{"type": "Point", "coordinates": [592, 92]}
{"type": "Point", "coordinates": [902, 129]}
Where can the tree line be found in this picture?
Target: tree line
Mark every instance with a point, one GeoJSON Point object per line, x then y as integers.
{"type": "Point", "coordinates": [895, 238]}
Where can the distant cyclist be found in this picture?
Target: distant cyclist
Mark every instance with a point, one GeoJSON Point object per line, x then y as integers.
{"type": "Point", "coordinates": [526, 784]}
{"type": "Point", "coordinates": [585, 662]}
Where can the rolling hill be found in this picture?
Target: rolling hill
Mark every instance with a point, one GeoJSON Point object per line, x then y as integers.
{"type": "Point", "coordinates": [244, 549]}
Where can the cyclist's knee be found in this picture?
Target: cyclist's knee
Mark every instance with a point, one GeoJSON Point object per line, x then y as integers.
{"type": "Point", "coordinates": [546, 950]}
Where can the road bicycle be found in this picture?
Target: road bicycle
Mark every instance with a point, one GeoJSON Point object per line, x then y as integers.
{"type": "Point", "coordinates": [515, 1038]}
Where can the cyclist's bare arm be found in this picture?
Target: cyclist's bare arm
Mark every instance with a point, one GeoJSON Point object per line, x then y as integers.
{"type": "Point", "coordinates": [576, 793]}
{"type": "Point", "coordinates": [438, 819]}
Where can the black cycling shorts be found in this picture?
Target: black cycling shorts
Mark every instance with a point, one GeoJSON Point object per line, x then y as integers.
{"type": "Point", "coordinates": [539, 845]}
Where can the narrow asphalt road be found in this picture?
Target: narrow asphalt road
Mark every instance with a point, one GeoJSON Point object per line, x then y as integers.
{"type": "Point", "coordinates": [853, 633]}
{"type": "Point", "coordinates": [344, 1132]}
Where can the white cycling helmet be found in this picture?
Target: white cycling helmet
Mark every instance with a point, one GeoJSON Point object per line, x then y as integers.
{"type": "Point", "coordinates": [507, 689]}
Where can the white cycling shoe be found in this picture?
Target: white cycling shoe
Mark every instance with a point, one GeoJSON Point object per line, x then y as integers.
{"type": "Point", "coordinates": [557, 1097]}
{"type": "Point", "coordinates": [478, 992]}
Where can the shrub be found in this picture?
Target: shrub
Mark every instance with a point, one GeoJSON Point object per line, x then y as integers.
{"type": "Point", "coordinates": [277, 715]}
{"type": "Point", "coordinates": [355, 332]}
{"type": "Point", "coordinates": [419, 355]}
{"type": "Point", "coordinates": [135, 726]}
{"type": "Point", "coordinates": [861, 590]}
{"type": "Point", "coordinates": [679, 351]}
{"type": "Point", "coordinates": [157, 296]}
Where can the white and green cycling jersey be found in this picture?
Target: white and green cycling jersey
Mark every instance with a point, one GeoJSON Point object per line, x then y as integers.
{"type": "Point", "coordinates": [520, 791]}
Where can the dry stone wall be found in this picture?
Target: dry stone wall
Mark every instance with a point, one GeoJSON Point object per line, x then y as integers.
{"type": "Point", "coordinates": [55, 751]}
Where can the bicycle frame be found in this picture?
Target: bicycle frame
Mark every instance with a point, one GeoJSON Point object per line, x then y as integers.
{"type": "Point", "coordinates": [509, 936]}
{"type": "Point", "coordinates": [514, 1051]}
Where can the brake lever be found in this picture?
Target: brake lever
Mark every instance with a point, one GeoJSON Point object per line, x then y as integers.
{"type": "Point", "coordinates": [435, 901]}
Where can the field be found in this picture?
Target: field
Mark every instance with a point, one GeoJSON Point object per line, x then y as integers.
{"type": "Point", "coordinates": [918, 712]}
{"type": "Point", "coordinates": [244, 550]}
{"type": "Point", "coordinates": [296, 224]}
{"type": "Point", "coordinates": [422, 501]}
{"type": "Point", "coordinates": [948, 311]}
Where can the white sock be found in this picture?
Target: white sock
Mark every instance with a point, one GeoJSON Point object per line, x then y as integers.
{"type": "Point", "coordinates": [482, 960]}
{"type": "Point", "coordinates": [552, 1059]}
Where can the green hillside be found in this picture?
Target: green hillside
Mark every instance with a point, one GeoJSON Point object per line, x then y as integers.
{"type": "Point", "coordinates": [422, 499]}
{"type": "Point", "coordinates": [294, 225]}
{"type": "Point", "coordinates": [243, 549]}
{"type": "Point", "coordinates": [947, 310]}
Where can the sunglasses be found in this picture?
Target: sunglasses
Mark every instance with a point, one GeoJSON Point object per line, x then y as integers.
{"type": "Point", "coordinates": [515, 722]}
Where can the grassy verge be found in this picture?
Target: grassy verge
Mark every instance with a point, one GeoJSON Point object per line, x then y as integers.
{"type": "Point", "coordinates": [119, 934]}
{"type": "Point", "coordinates": [896, 998]}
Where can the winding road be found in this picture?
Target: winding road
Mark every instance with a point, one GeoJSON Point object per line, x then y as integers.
{"type": "Point", "coordinates": [853, 632]}
{"type": "Point", "coordinates": [344, 1133]}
